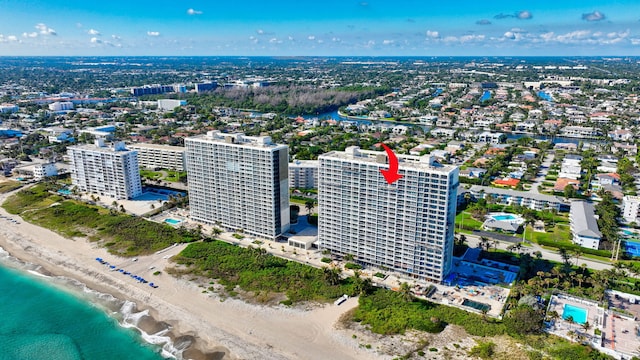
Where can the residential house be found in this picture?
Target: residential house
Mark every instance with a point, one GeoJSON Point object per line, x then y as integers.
{"type": "Point", "coordinates": [584, 225]}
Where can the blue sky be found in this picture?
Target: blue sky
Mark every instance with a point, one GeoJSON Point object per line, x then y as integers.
{"type": "Point", "coordinates": [329, 27]}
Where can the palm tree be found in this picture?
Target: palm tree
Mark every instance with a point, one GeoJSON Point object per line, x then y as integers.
{"type": "Point", "coordinates": [484, 243]}
{"type": "Point", "coordinates": [564, 254]}
{"type": "Point", "coordinates": [570, 321]}
{"type": "Point", "coordinates": [586, 326]}
{"type": "Point", "coordinates": [405, 292]}
{"type": "Point", "coordinates": [462, 239]}
{"type": "Point", "coordinates": [309, 205]}
{"type": "Point", "coordinates": [348, 257]}
{"type": "Point", "coordinates": [331, 275]}
{"type": "Point", "coordinates": [215, 232]}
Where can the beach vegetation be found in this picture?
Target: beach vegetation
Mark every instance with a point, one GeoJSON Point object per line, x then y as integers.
{"type": "Point", "coordinates": [120, 233]}
{"type": "Point", "coordinates": [254, 269]}
{"type": "Point", "coordinates": [8, 186]}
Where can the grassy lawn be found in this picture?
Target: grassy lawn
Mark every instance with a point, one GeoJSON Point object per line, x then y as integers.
{"type": "Point", "coordinates": [560, 234]}
{"type": "Point", "coordinates": [174, 176]}
{"type": "Point", "coordinates": [468, 223]}
{"type": "Point", "coordinates": [9, 185]}
{"type": "Point", "coordinates": [153, 175]}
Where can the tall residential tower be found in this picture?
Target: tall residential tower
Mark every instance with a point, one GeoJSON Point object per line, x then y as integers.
{"type": "Point", "coordinates": [406, 226]}
{"type": "Point", "coordinates": [102, 170]}
{"type": "Point", "coordinates": [239, 182]}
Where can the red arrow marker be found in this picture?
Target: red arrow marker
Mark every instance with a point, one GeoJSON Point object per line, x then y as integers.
{"type": "Point", "coordinates": [391, 175]}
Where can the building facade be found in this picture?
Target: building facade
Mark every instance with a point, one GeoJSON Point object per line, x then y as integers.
{"type": "Point", "coordinates": [108, 171]}
{"type": "Point", "coordinates": [631, 208]}
{"type": "Point", "coordinates": [584, 226]}
{"type": "Point", "coordinates": [170, 104]}
{"type": "Point", "coordinates": [303, 174]}
{"type": "Point", "coordinates": [406, 226]}
{"type": "Point", "coordinates": [153, 156]}
{"type": "Point", "coordinates": [239, 183]}
{"type": "Point", "coordinates": [525, 199]}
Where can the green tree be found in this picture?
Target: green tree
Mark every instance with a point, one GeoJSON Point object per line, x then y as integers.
{"type": "Point", "coordinates": [405, 291]}
{"type": "Point", "coordinates": [524, 320]}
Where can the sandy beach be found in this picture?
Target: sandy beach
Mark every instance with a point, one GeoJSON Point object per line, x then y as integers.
{"type": "Point", "coordinates": [221, 328]}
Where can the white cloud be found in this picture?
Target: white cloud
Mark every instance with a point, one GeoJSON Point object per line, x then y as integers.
{"type": "Point", "coordinates": [30, 35]}
{"type": "Point", "coordinates": [290, 38]}
{"type": "Point", "coordinates": [194, 12]}
{"type": "Point", "coordinates": [12, 38]}
{"type": "Point", "coordinates": [433, 34]}
{"type": "Point", "coordinates": [593, 16]}
{"type": "Point", "coordinates": [93, 32]}
{"type": "Point", "coordinates": [260, 32]}
{"type": "Point", "coordinates": [45, 30]}
{"type": "Point", "coordinates": [95, 40]}
{"type": "Point", "coordinates": [335, 39]}
{"type": "Point", "coordinates": [510, 35]}
{"type": "Point", "coordinates": [548, 36]}
{"type": "Point", "coordinates": [635, 41]}
{"type": "Point", "coordinates": [467, 38]}
{"type": "Point", "coordinates": [311, 37]}
{"type": "Point", "coordinates": [153, 33]}
{"type": "Point", "coordinates": [116, 37]}
{"type": "Point", "coordinates": [387, 42]}
{"type": "Point", "coordinates": [573, 36]}
{"type": "Point", "coordinates": [275, 41]}
{"type": "Point", "coordinates": [524, 15]}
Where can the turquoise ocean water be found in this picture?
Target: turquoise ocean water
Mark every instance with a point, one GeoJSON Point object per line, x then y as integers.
{"type": "Point", "coordinates": [42, 321]}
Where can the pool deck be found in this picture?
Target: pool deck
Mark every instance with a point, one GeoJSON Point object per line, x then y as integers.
{"type": "Point", "coordinates": [562, 328]}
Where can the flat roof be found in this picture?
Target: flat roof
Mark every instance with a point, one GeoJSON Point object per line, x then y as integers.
{"type": "Point", "coordinates": [354, 154]}
{"type": "Point", "coordinates": [156, 146]}
{"type": "Point", "coordinates": [236, 139]}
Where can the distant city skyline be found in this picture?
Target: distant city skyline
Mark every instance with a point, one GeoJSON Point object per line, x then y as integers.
{"type": "Point", "coordinates": [327, 28]}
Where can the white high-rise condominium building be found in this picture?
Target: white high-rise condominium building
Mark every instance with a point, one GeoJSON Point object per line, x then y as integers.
{"type": "Point", "coordinates": [303, 174]}
{"type": "Point", "coordinates": [109, 171]}
{"type": "Point", "coordinates": [406, 226]}
{"type": "Point", "coordinates": [239, 182]}
{"type": "Point", "coordinates": [154, 156]}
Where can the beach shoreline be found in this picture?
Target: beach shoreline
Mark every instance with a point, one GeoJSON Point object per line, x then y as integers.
{"type": "Point", "coordinates": [211, 326]}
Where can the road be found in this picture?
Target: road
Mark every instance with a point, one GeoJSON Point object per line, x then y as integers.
{"type": "Point", "coordinates": [542, 173]}
{"type": "Point", "coordinates": [474, 241]}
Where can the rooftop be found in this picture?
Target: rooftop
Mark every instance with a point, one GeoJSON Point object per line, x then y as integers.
{"type": "Point", "coordinates": [157, 146]}
{"type": "Point", "coordinates": [239, 139]}
{"type": "Point", "coordinates": [354, 153]}
{"type": "Point", "coordinates": [583, 219]}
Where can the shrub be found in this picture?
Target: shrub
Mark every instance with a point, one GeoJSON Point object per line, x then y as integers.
{"type": "Point", "coordinates": [484, 350]}
{"type": "Point", "coordinates": [352, 266]}
{"type": "Point", "coordinates": [325, 260]}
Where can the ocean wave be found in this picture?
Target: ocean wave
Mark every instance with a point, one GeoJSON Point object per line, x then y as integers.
{"type": "Point", "coordinates": [132, 319]}
{"type": "Point", "coordinates": [123, 311]}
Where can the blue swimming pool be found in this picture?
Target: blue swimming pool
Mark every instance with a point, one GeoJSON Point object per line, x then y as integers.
{"type": "Point", "coordinates": [503, 217]}
{"type": "Point", "coordinates": [632, 248]}
{"type": "Point", "coordinates": [578, 314]}
{"type": "Point", "coordinates": [172, 221]}
{"type": "Point", "coordinates": [64, 191]}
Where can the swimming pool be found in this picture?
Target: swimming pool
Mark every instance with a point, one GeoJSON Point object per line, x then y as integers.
{"type": "Point", "coordinates": [64, 191]}
{"type": "Point", "coordinates": [476, 305]}
{"type": "Point", "coordinates": [500, 216]}
{"type": "Point", "coordinates": [578, 314]}
{"type": "Point", "coordinates": [632, 248]}
{"type": "Point", "coordinates": [172, 221]}
{"type": "Point", "coordinates": [504, 217]}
